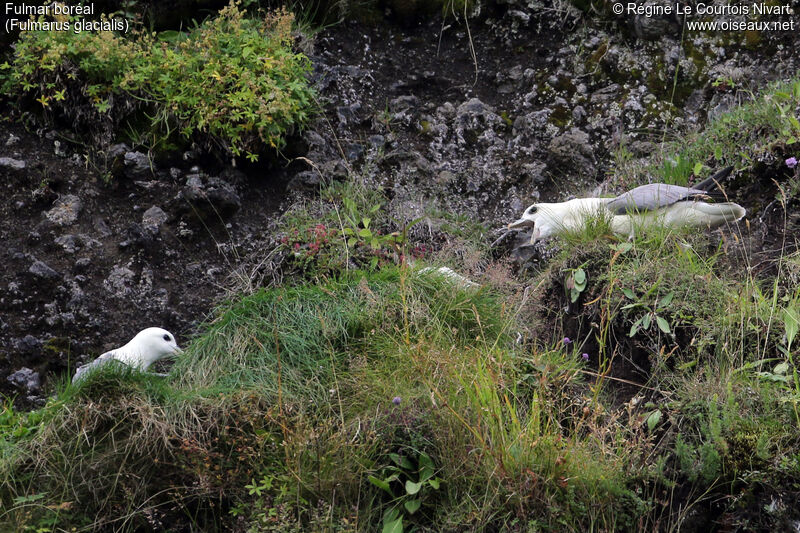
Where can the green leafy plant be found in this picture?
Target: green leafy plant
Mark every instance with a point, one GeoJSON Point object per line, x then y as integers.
{"type": "Point", "coordinates": [575, 282]}
{"type": "Point", "coordinates": [785, 103]}
{"type": "Point", "coordinates": [654, 312]}
{"type": "Point", "coordinates": [269, 503]}
{"type": "Point", "coordinates": [233, 83]}
{"type": "Point", "coordinates": [358, 227]}
{"type": "Point", "coordinates": [408, 484]}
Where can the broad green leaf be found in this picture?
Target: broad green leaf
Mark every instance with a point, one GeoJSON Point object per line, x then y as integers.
{"type": "Point", "coordinates": [426, 467]}
{"type": "Point", "coordinates": [412, 488]}
{"type": "Point", "coordinates": [365, 233]}
{"type": "Point", "coordinates": [754, 364]}
{"type": "Point", "coordinates": [381, 484]}
{"type": "Point", "coordinates": [646, 319]}
{"type": "Point", "coordinates": [402, 461]}
{"type": "Point", "coordinates": [769, 376]}
{"type": "Point", "coordinates": [781, 368]}
{"type": "Point", "coordinates": [663, 325]}
{"type": "Point", "coordinates": [698, 168]}
{"type": "Point", "coordinates": [393, 526]}
{"type": "Point", "coordinates": [718, 152]}
{"type": "Point", "coordinates": [412, 506]}
{"type": "Point", "coordinates": [425, 473]}
{"type": "Point", "coordinates": [629, 293]}
{"type": "Point", "coordinates": [425, 460]}
{"type": "Point", "coordinates": [666, 300]}
{"type": "Point", "coordinates": [365, 222]}
{"type": "Point", "coordinates": [434, 483]}
{"type": "Point", "coordinates": [653, 419]}
{"type": "Point", "coordinates": [635, 327]}
{"type": "Point", "coordinates": [579, 276]}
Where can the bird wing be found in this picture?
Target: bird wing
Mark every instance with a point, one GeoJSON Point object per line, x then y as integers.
{"type": "Point", "coordinates": [81, 372]}
{"type": "Point", "coordinates": [653, 196]}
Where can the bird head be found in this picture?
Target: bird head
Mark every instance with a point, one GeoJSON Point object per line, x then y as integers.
{"type": "Point", "coordinates": [548, 219]}
{"type": "Point", "coordinates": [536, 217]}
{"type": "Point", "coordinates": [152, 344]}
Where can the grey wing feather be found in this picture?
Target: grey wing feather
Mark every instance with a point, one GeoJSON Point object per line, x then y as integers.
{"type": "Point", "coordinates": [650, 197]}
{"type": "Point", "coordinates": [80, 373]}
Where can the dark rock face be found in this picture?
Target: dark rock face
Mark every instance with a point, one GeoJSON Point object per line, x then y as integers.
{"type": "Point", "coordinates": [153, 219]}
{"type": "Point", "coordinates": [573, 149]}
{"type": "Point", "coordinates": [41, 270]}
{"type": "Point", "coordinates": [208, 198]}
{"type": "Point", "coordinates": [137, 166]}
{"type": "Point", "coordinates": [26, 379]}
{"type": "Point", "coordinates": [66, 210]}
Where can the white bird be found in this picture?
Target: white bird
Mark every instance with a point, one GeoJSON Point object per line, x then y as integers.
{"type": "Point", "coordinates": [671, 206]}
{"type": "Point", "coordinates": [147, 347]}
{"type": "Point", "coordinates": [450, 275]}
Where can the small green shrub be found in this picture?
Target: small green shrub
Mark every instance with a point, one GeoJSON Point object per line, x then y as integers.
{"type": "Point", "coordinates": [346, 229]}
{"type": "Point", "coordinates": [232, 83]}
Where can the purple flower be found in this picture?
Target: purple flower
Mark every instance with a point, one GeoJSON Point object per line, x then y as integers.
{"type": "Point", "coordinates": [585, 356]}
{"type": "Point", "coordinates": [396, 400]}
{"type": "Point", "coordinates": [567, 340]}
{"type": "Point", "coordinates": [791, 162]}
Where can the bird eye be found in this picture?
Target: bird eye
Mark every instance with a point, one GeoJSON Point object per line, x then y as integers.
{"type": "Point", "coordinates": [167, 337]}
{"type": "Point", "coordinates": [532, 210]}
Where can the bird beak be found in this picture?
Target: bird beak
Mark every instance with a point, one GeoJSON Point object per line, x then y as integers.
{"type": "Point", "coordinates": [535, 236]}
{"type": "Point", "coordinates": [177, 350]}
{"type": "Point", "coordinates": [522, 223]}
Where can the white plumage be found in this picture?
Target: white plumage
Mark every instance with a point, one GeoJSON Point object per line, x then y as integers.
{"type": "Point", "coordinates": [450, 275]}
{"type": "Point", "coordinates": [680, 214]}
{"type": "Point", "coordinates": [147, 347]}
{"type": "Point", "coordinates": [554, 218]}
{"type": "Point", "coordinates": [670, 206]}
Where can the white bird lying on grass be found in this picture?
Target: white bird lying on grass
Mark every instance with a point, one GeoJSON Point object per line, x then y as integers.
{"type": "Point", "coordinates": [670, 206]}
{"type": "Point", "coordinates": [450, 275]}
{"type": "Point", "coordinates": [147, 347]}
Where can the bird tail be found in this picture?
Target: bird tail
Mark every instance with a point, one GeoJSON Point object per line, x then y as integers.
{"type": "Point", "coordinates": [722, 213]}
{"type": "Point", "coordinates": [712, 182]}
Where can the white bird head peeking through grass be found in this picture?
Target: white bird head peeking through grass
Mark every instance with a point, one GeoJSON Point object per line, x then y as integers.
{"type": "Point", "coordinates": [548, 219]}
{"type": "Point", "coordinates": [147, 347]}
